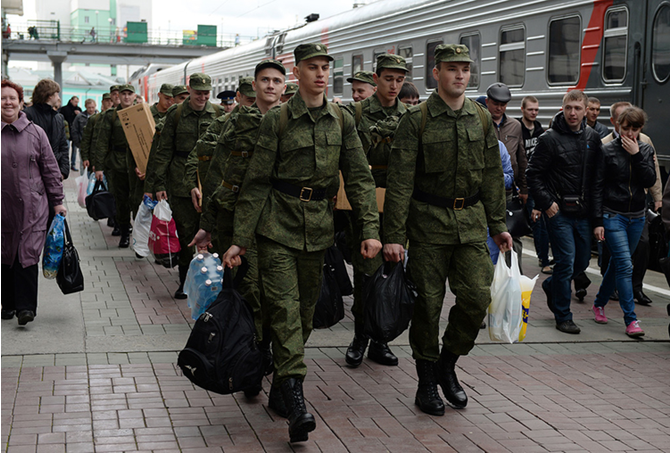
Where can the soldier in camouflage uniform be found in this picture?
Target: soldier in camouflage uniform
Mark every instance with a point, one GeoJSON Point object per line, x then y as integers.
{"type": "Point", "coordinates": [179, 93]}
{"type": "Point", "coordinates": [245, 93]}
{"type": "Point", "coordinates": [285, 208]}
{"type": "Point", "coordinates": [165, 101]}
{"type": "Point", "coordinates": [291, 89]}
{"type": "Point", "coordinates": [184, 123]}
{"type": "Point", "coordinates": [445, 186]}
{"type": "Point", "coordinates": [362, 85]}
{"type": "Point", "coordinates": [382, 105]}
{"type": "Point", "coordinates": [114, 94]}
{"type": "Point", "coordinates": [88, 137]}
{"type": "Point", "coordinates": [221, 189]}
{"type": "Point", "coordinates": [111, 150]}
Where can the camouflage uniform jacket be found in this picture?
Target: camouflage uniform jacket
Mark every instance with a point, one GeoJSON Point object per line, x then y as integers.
{"type": "Point", "coordinates": [311, 150]}
{"type": "Point", "coordinates": [156, 113]}
{"type": "Point", "coordinates": [169, 160]}
{"type": "Point", "coordinates": [202, 154]}
{"type": "Point", "coordinates": [152, 152]}
{"type": "Point", "coordinates": [372, 111]}
{"type": "Point", "coordinates": [452, 159]}
{"type": "Point", "coordinates": [232, 155]}
{"type": "Point", "coordinates": [87, 138]}
{"type": "Point", "coordinates": [111, 144]}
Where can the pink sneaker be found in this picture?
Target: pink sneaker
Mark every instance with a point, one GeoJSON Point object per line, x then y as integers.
{"type": "Point", "coordinates": [600, 315]}
{"type": "Point", "coordinates": [633, 329]}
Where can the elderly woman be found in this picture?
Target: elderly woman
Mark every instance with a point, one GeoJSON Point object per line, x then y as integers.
{"type": "Point", "coordinates": [625, 169]}
{"type": "Point", "coordinates": [31, 180]}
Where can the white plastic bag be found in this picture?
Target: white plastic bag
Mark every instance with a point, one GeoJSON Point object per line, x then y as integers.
{"type": "Point", "coordinates": [82, 185]}
{"type": "Point", "coordinates": [142, 226]}
{"type": "Point", "coordinates": [505, 311]}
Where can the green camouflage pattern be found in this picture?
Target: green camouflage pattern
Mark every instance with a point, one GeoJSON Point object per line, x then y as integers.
{"type": "Point", "coordinates": [313, 148]}
{"type": "Point", "coordinates": [152, 153]}
{"type": "Point", "coordinates": [451, 159]}
{"type": "Point", "coordinates": [372, 113]}
{"type": "Point", "coordinates": [87, 142]}
{"type": "Point", "coordinates": [110, 136]}
{"type": "Point", "coordinates": [187, 220]}
{"type": "Point", "coordinates": [119, 187]}
{"type": "Point", "coordinates": [168, 168]}
{"type": "Point", "coordinates": [469, 269]}
{"type": "Point", "coordinates": [291, 283]}
{"type": "Point", "coordinates": [156, 113]}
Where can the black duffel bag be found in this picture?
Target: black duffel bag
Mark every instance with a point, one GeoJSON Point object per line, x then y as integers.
{"type": "Point", "coordinates": [658, 245]}
{"type": "Point", "coordinates": [389, 302]}
{"type": "Point", "coordinates": [100, 203]}
{"type": "Point", "coordinates": [329, 309]}
{"type": "Point", "coordinates": [221, 354]}
{"type": "Point", "coordinates": [516, 218]}
{"type": "Point", "coordinates": [69, 276]}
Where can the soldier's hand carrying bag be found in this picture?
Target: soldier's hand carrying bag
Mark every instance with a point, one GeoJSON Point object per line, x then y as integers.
{"type": "Point", "coordinates": [69, 276]}
{"type": "Point", "coordinates": [389, 302]}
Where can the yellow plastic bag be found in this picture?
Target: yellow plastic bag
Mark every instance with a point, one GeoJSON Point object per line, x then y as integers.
{"type": "Point", "coordinates": [527, 285]}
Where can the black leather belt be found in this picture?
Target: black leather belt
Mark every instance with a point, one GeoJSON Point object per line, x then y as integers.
{"type": "Point", "coordinates": [303, 193]}
{"type": "Point", "coordinates": [182, 153]}
{"type": "Point", "coordinates": [456, 204]}
{"type": "Point", "coordinates": [242, 153]}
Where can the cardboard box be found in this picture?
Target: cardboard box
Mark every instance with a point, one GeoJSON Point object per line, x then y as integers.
{"type": "Point", "coordinates": [139, 127]}
{"type": "Point", "coordinates": [342, 203]}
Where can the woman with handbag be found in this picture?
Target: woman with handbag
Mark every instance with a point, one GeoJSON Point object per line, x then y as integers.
{"type": "Point", "coordinates": [625, 168]}
{"type": "Point", "coordinates": [31, 180]}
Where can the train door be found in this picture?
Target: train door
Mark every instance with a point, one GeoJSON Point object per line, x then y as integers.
{"type": "Point", "coordinates": [656, 81]}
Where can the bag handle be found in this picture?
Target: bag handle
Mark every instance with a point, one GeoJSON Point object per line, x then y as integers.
{"type": "Point", "coordinates": [99, 186]}
{"type": "Point", "coordinates": [229, 281]}
{"type": "Point", "coordinates": [67, 236]}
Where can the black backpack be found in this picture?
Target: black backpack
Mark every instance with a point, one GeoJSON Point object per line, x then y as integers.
{"type": "Point", "coordinates": [221, 355]}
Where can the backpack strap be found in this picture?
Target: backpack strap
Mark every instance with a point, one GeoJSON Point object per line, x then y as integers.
{"type": "Point", "coordinates": [177, 115]}
{"type": "Point", "coordinates": [482, 118]}
{"type": "Point", "coordinates": [218, 110]}
{"type": "Point", "coordinates": [359, 112]}
{"type": "Point", "coordinates": [424, 116]}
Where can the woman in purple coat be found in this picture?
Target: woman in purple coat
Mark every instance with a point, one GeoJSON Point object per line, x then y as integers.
{"type": "Point", "coordinates": [31, 180]}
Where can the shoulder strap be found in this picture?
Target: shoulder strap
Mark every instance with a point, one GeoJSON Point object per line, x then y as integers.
{"type": "Point", "coordinates": [482, 118]}
{"type": "Point", "coordinates": [359, 112]}
{"type": "Point", "coordinates": [424, 116]}
{"type": "Point", "coordinates": [339, 115]}
{"type": "Point", "coordinates": [177, 115]}
{"type": "Point", "coordinates": [218, 110]}
{"type": "Point", "coordinates": [283, 117]}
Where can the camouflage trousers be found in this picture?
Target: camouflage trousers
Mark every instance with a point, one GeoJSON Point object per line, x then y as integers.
{"type": "Point", "coordinates": [362, 267]}
{"type": "Point", "coordinates": [119, 186]}
{"type": "Point", "coordinates": [187, 220]}
{"type": "Point", "coordinates": [470, 272]}
{"type": "Point", "coordinates": [250, 287]}
{"type": "Point", "coordinates": [291, 282]}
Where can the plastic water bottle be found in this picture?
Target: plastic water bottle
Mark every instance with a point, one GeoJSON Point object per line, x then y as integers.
{"type": "Point", "coordinates": [190, 284]}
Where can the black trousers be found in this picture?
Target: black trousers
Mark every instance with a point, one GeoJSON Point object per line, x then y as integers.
{"type": "Point", "coordinates": [19, 287]}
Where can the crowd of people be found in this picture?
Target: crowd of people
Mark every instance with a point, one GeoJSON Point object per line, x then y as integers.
{"type": "Point", "coordinates": [257, 176]}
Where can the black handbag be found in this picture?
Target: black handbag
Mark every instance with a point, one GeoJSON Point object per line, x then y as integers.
{"type": "Point", "coordinates": [329, 309]}
{"type": "Point", "coordinates": [516, 218]}
{"type": "Point", "coordinates": [100, 203]}
{"type": "Point", "coordinates": [69, 276]}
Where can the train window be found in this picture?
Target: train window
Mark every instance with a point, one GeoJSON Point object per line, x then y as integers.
{"type": "Point", "coordinates": [564, 56]}
{"type": "Point", "coordinates": [472, 42]}
{"type": "Point", "coordinates": [512, 56]}
{"type": "Point", "coordinates": [356, 64]}
{"type": "Point", "coordinates": [615, 40]}
{"type": "Point", "coordinates": [431, 83]}
{"type": "Point", "coordinates": [338, 77]}
{"type": "Point", "coordinates": [660, 51]}
{"type": "Point", "coordinates": [406, 53]}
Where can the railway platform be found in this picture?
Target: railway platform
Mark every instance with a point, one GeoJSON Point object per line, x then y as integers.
{"type": "Point", "coordinates": [96, 372]}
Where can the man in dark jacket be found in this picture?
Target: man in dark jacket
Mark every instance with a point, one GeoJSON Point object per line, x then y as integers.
{"type": "Point", "coordinates": [42, 113]}
{"type": "Point", "coordinates": [70, 112]}
{"type": "Point", "coordinates": [77, 129]}
{"type": "Point", "coordinates": [559, 177]}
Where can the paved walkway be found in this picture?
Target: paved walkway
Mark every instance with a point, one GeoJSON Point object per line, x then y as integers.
{"type": "Point", "coordinates": [96, 372]}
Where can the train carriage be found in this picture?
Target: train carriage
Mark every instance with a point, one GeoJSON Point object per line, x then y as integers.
{"type": "Point", "coordinates": [612, 49]}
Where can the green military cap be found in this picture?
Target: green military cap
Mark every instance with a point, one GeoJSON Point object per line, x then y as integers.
{"type": "Point", "coordinates": [270, 64]}
{"type": "Point", "coordinates": [363, 76]}
{"type": "Point", "coordinates": [307, 51]}
{"type": "Point", "coordinates": [106, 96]}
{"type": "Point", "coordinates": [452, 53]}
{"type": "Point", "coordinates": [179, 89]}
{"type": "Point", "coordinates": [166, 89]}
{"type": "Point", "coordinates": [127, 87]}
{"type": "Point", "coordinates": [199, 81]}
{"type": "Point", "coordinates": [389, 61]}
{"type": "Point", "coordinates": [246, 88]}
{"type": "Point", "coordinates": [291, 88]}
{"type": "Point", "coordinates": [114, 88]}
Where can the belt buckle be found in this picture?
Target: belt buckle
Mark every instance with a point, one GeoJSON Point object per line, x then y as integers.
{"type": "Point", "coordinates": [235, 188]}
{"type": "Point", "coordinates": [302, 196]}
{"type": "Point", "coordinates": [245, 153]}
{"type": "Point", "coordinates": [462, 204]}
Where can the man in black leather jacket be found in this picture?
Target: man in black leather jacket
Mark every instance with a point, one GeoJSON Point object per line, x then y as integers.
{"type": "Point", "coordinates": [42, 113]}
{"type": "Point", "coordinates": [559, 177]}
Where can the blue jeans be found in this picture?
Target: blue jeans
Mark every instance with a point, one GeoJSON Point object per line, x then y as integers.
{"type": "Point", "coordinates": [571, 243]}
{"type": "Point", "coordinates": [621, 237]}
{"type": "Point", "coordinates": [540, 234]}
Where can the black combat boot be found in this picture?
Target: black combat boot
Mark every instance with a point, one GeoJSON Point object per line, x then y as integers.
{"type": "Point", "coordinates": [124, 242]}
{"type": "Point", "coordinates": [427, 397]}
{"type": "Point", "coordinates": [180, 294]}
{"type": "Point", "coordinates": [300, 422]}
{"type": "Point", "coordinates": [356, 349]}
{"type": "Point", "coordinates": [276, 402]}
{"type": "Point", "coordinates": [381, 353]}
{"type": "Point", "coordinates": [116, 231]}
{"type": "Point", "coordinates": [445, 372]}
